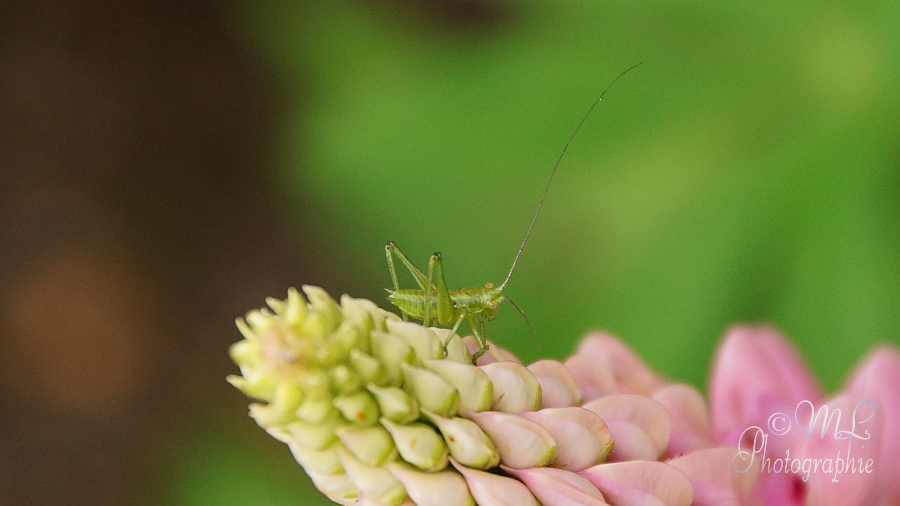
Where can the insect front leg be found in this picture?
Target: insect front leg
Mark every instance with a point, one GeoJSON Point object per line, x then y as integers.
{"type": "Point", "coordinates": [455, 328]}
{"type": "Point", "coordinates": [476, 323]}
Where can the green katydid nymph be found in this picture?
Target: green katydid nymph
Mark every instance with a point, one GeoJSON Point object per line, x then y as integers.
{"type": "Point", "coordinates": [433, 301]}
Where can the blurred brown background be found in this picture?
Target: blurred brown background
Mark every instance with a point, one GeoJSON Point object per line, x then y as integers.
{"type": "Point", "coordinates": [133, 228]}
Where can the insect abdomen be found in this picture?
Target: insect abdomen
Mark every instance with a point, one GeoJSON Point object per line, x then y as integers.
{"type": "Point", "coordinates": [413, 302]}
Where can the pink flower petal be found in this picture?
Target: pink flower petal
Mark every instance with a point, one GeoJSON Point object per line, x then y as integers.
{"type": "Point", "coordinates": [592, 381]}
{"type": "Point", "coordinates": [691, 426]}
{"type": "Point", "coordinates": [558, 387]}
{"type": "Point", "coordinates": [857, 415]}
{"type": "Point", "coordinates": [714, 477]}
{"type": "Point", "coordinates": [639, 425]}
{"type": "Point", "coordinates": [494, 490]}
{"type": "Point", "coordinates": [521, 443]}
{"type": "Point", "coordinates": [555, 395]}
{"type": "Point", "coordinates": [556, 487]}
{"type": "Point", "coordinates": [631, 374]}
{"type": "Point", "coordinates": [641, 483]}
{"type": "Point", "coordinates": [878, 379]}
{"type": "Point", "coordinates": [493, 354]}
{"type": "Point", "coordinates": [582, 438]}
{"type": "Point", "coordinates": [515, 387]}
{"type": "Point", "coordinates": [757, 373]}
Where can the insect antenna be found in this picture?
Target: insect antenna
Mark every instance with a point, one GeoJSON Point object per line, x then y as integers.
{"type": "Point", "coordinates": [528, 323]}
{"type": "Point", "coordinates": [547, 187]}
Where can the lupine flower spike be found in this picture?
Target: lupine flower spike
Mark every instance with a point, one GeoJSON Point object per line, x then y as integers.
{"type": "Point", "coordinates": [378, 412]}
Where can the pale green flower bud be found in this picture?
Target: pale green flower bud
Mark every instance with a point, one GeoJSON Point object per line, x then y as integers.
{"type": "Point", "coordinates": [316, 326]}
{"type": "Point", "coordinates": [295, 310]}
{"type": "Point", "coordinates": [376, 482]}
{"type": "Point", "coordinates": [360, 315]}
{"type": "Point", "coordinates": [277, 306]}
{"type": "Point", "coordinates": [419, 445]}
{"type": "Point", "coordinates": [476, 392]}
{"type": "Point", "coordinates": [371, 445]}
{"type": "Point", "coordinates": [315, 410]}
{"type": "Point", "coordinates": [395, 404]}
{"type": "Point", "coordinates": [359, 407]}
{"type": "Point", "coordinates": [468, 444]}
{"type": "Point", "coordinates": [515, 387]}
{"type": "Point", "coordinates": [324, 306]}
{"type": "Point", "coordinates": [258, 321]}
{"type": "Point", "coordinates": [432, 392]}
{"type": "Point", "coordinates": [281, 409]}
{"type": "Point", "coordinates": [325, 461]}
{"type": "Point", "coordinates": [365, 500]}
{"type": "Point", "coordinates": [391, 351]}
{"type": "Point", "coordinates": [457, 351]}
{"type": "Point", "coordinates": [423, 341]}
{"type": "Point", "coordinates": [247, 351]}
{"type": "Point", "coordinates": [347, 337]}
{"type": "Point", "coordinates": [365, 314]}
{"type": "Point", "coordinates": [287, 399]}
{"type": "Point", "coordinates": [315, 436]}
{"type": "Point", "coordinates": [315, 382]}
{"type": "Point", "coordinates": [443, 488]}
{"type": "Point", "coordinates": [260, 387]}
{"type": "Point", "coordinates": [369, 368]}
{"type": "Point", "coordinates": [345, 381]}
{"type": "Point", "coordinates": [337, 487]}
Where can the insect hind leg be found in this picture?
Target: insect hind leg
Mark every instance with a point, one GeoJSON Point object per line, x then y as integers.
{"type": "Point", "coordinates": [445, 312]}
{"type": "Point", "coordinates": [391, 249]}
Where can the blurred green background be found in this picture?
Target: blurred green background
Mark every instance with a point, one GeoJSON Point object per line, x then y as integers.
{"type": "Point", "coordinates": [168, 165]}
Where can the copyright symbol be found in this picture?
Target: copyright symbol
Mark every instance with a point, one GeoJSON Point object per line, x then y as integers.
{"type": "Point", "coordinates": [779, 424]}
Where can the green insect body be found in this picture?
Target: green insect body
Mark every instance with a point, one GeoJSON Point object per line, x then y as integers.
{"type": "Point", "coordinates": [481, 300]}
{"type": "Point", "coordinates": [434, 302]}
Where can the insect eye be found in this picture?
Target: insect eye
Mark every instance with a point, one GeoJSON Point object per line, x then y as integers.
{"type": "Point", "coordinates": [489, 285]}
{"type": "Point", "coordinates": [492, 304]}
